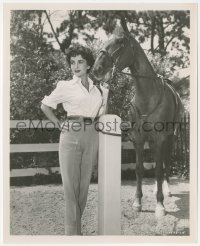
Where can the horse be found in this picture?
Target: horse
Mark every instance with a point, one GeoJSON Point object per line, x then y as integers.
{"type": "Point", "coordinates": [154, 113]}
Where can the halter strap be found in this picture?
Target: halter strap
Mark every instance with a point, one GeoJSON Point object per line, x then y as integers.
{"type": "Point", "coordinates": [104, 51]}
{"type": "Point", "coordinates": [115, 62]}
{"type": "Point", "coordinates": [140, 75]}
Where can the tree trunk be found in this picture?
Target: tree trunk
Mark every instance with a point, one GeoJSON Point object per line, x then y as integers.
{"type": "Point", "coordinates": [161, 36]}
{"type": "Point", "coordinates": [152, 34]}
{"type": "Point", "coordinates": [54, 33]}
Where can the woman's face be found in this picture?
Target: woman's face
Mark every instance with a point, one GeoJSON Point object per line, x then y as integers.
{"type": "Point", "coordinates": [79, 66]}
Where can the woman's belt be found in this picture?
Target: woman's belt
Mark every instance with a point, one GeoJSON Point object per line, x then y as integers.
{"type": "Point", "coordinates": [82, 118]}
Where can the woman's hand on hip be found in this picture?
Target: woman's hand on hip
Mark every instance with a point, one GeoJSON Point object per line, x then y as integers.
{"type": "Point", "coordinates": [64, 126]}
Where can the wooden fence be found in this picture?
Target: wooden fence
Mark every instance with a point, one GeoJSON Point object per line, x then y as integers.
{"type": "Point", "coordinates": [181, 150]}
{"type": "Point", "coordinates": [180, 155]}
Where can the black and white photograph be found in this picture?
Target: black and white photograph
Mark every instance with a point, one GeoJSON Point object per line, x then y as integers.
{"type": "Point", "coordinates": [101, 122]}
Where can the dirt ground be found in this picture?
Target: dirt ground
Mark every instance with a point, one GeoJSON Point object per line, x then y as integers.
{"type": "Point", "coordinates": [39, 210]}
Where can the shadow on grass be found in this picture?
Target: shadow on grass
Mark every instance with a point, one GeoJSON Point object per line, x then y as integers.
{"type": "Point", "coordinates": [183, 206]}
{"type": "Point", "coordinates": [148, 211]}
{"type": "Point", "coordinates": [151, 181]}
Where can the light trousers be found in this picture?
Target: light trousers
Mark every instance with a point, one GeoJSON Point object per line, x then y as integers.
{"type": "Point", "coordinates": [77, 155]}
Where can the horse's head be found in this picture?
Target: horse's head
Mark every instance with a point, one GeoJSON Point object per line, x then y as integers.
{"type": "Point", "coordinates": [116, 53]}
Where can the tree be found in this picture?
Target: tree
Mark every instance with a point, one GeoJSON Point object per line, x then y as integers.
{"type": "Point", "coordinates": [33, 66]}
{"type": "Point", "coordinates": [162, 32]}
{"type": "Point", "coordinates": [166, 25]}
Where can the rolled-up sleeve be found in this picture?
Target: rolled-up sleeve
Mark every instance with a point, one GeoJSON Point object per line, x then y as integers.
{"type": "Point", "coordinates": [56, 97]}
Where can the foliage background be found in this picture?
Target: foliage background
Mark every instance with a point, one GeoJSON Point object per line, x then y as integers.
{"type": "Point", "coordinates": [39, 39]}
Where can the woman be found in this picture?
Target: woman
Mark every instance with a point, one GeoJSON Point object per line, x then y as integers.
{"type": "Point", "coordinates": [78, 145]}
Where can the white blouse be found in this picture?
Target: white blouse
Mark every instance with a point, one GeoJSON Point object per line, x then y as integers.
{"type": "Point", "coordinates": [76, 99]}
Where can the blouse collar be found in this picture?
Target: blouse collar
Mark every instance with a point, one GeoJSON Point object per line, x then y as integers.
{"type": "Point", "coordinates": [78, 80]}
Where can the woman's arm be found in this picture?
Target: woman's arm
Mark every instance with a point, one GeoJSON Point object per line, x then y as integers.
{"type": "Point", "coordinates": [50, 115]}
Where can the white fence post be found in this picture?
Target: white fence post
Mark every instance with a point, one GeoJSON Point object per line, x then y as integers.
{"type": "Point", "coordinates": [109, 175]}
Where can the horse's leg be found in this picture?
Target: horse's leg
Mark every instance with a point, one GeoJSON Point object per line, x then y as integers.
{"type": "Point", "coordinates": [160, 210]}
{"type": "Point", "coordinates": [137, 205]}
{"type": "Point", "coordinates": [167, 158]}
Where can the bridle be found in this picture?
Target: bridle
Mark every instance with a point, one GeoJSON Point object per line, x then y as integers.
{"type": "Point", "coordinates": [115, 62]}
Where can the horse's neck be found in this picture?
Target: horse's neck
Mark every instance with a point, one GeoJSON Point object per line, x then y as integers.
{"type": "Point", "coordinates": [146, 87]}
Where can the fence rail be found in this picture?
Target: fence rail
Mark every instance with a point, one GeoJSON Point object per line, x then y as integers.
{"type": "Point", "coordinates": [180, 154]}
{"type": "Point", "coordinates": [51, 147]}
{"type": "Point", "coordinates": [43, 147]}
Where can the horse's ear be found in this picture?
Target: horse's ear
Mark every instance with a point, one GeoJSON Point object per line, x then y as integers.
{"type": "Point", "coordinates": [127, 34]}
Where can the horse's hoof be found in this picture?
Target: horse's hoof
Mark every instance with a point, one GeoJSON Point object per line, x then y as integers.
{"type": "Point", "coordinates": [137, 207]}
{"type": "Point", "coordinates": [160, 212]}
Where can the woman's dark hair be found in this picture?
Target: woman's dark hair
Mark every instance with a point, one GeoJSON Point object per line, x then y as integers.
{"type": "Point", "coordinates": [85, 52]}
